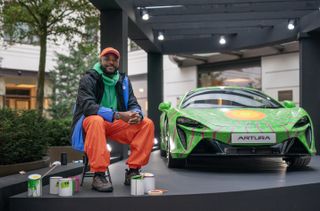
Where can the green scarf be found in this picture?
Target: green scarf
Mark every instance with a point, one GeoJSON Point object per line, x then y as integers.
{"type": "Point", "coordinates": [109, 99]}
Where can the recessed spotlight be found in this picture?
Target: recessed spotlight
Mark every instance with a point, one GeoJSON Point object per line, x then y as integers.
{"type": "Point", "coordinates": [222, 40]}
{"type": "Point", "coordinates": [291, 25]}
{"type": "Point", "coordinates": [160, 36]}
{"type": "Point", "coordinates": [145, 15]}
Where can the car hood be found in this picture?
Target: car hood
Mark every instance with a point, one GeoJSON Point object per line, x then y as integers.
{"type": "Point", "coordinates": [227, 117]}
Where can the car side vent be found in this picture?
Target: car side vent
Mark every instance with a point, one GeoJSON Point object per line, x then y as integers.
{"type": "Point", "coordinates": [207, 146]}
{"type": "Point", "coordinates": [182, 137]}
{"type": "Point", "coordinates": [297, 147]}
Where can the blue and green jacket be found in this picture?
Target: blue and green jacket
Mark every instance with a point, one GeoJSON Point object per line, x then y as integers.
{"type": "Point", "coordinates": [89, 97]}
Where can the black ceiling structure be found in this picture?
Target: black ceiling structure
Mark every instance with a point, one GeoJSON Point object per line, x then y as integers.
{"type": "Point", "coordinates": [192, 28]}
{"type": "Point", "coordinates": [195, 26]}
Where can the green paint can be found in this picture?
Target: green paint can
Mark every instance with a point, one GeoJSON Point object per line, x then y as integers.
{"type": "Point", "coordinates": [34, 185]}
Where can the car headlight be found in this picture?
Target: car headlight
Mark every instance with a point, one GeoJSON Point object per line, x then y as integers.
{"type": "Point", "coordinates": [189, 122]}
{"type": "Point", "coordinates": [302, 122]}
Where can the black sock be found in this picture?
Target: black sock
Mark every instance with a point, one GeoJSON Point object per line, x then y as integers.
{"type": "Point", "coordinates": [99, 173]}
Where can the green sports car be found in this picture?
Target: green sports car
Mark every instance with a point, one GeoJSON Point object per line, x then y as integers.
{"type": "Point", "coordinates": [234, 121]}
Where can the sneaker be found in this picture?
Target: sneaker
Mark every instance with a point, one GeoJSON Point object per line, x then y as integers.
{"type": "Point", "coordinates": [130, 173]}
{"type": "Point", "coordinates": [100, 183]}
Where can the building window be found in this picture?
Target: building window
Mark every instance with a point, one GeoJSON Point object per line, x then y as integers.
{"type": "Point", "coordinates": [243, 74]}
{"type": "Point", "coordinates": [285, 95]}
{"type": "Point", "coordinates": [21, 35]}
{"type": "Point", "coordinates": [18, 99]}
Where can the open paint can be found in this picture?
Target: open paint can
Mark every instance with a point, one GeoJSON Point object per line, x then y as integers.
{"type": "Point", "coordinates": [137, 187]}
{"type": "Point", "coordinates": [148, 182]}
{"type": "Point", "coordinates": [65, 187]}
{"type": "Point", "coordinates": [54, 185]}
{"type": "Point", "coordinates": [34, 185]}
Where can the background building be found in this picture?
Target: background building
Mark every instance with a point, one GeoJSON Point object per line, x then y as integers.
{"type": "Point", "coordinates": [274, 71]}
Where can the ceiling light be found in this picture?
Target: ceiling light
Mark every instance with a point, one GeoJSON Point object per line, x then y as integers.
{"type": "Point", "coordinates": [222, 40]}
{"type": "Point", "coordinates": [145, 15]}
{"type": "Point", "coordinates": [291, 24]}
{"type": "Point", "coordinates": [160, 36]}
{"type": "Point", "coordinates": [161, 7]}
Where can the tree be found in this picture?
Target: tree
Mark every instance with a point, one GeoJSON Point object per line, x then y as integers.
{"type": "Point", "coordinates": [66, 76]}
{"type": "Point", "coordinates": [47, 20]}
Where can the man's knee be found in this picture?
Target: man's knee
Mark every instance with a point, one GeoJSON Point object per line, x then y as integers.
{"type": "Point", "coordinates": [94, 120]}
{"type": "Point", "coordinates": [148, 122]}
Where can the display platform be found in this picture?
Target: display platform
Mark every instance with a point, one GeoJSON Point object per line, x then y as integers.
{"type": "Point", "coordinates": [221, 184]}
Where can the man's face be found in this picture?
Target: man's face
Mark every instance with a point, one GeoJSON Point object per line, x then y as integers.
{"type": "Point", "coordinates": [110, 63]}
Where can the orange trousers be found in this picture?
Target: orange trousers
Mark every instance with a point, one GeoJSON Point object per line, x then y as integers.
{"type": "Point", "coordinates": [140, 137]}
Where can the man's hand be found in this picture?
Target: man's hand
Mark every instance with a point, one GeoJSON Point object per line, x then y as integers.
{"type": "Point", "coordinates": [135, 118]}
{"type": "Point", "coordinates": [130, 117]}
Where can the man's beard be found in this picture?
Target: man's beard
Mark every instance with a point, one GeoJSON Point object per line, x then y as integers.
{"type": "Point", "coordinates": [106, 72]}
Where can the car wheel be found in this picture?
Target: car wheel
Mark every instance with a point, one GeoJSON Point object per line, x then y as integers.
{"type": "Point", "coordinates": [297, 162]}
{"type": "Point", "coordinates": [175, 163]}
{"type": "Point", "coordinates": [163, 153]}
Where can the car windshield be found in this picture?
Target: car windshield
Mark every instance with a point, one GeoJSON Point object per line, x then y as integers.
{"type": "Point", "coordinates": [228, 98]}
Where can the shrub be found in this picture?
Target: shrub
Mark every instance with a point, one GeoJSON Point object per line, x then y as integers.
{"type": "Point", "coordinates": [22, 136]}
{"type": "Point", "coordinates": [58, 132]}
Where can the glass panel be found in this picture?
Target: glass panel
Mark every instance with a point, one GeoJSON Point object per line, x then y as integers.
{"type": "Point", "coordinates": [285, 95]}
{"type": "Point", "coordinates": [245, 76]}
{"type": "Point", "coordinates": [229, 98]}
{"type": "Point", "coordinates": [22, 104]}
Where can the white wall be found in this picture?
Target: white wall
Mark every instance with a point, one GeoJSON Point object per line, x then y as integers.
{"type": "Point", "coordinates": [177, 81]}
{"type": "Point", "coordinates": [137, 62]}
{"type": "Point", "coordinates": [281, 72]}
{"type": "Point", "coordinates": [26, 57]}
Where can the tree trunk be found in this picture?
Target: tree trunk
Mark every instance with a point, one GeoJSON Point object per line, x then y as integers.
{"type": "Point", "coordinates": [41, 72]}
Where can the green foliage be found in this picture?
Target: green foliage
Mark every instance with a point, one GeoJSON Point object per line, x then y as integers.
{"type": "Point", "coordinates": [22, 136]}
{"type": "Point", "coordinates": [58, 132]}
{"type": "Point", "coordinates": [66, 76]}
{"type": "Point", "coordinates": [43, 20]}
{"type": "Point", "coordinates": [48, 18]}
{"type": "Point", "coordinates": [25, 136]}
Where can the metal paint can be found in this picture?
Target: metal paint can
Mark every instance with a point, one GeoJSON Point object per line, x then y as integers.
{"type": "Point", "coordinates": [34, 185]}
{"type": "Point", "coordinates": [54, 185]}
{"type": "Point", "coordinates": [137, 187]}
{"type": "Point", "coordinates": [75, 184]}
{"type": "Point", "coordinates": [65, 187]}
{"type": "Point", "coordinates": [148, 182]}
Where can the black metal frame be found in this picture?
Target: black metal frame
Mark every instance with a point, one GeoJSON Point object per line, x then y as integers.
{"type": "Point", "coordinates": [86, 170]}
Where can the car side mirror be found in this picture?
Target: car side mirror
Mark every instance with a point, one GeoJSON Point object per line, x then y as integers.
{"type": "Point", "coordinates": [164, 106]}
{"type": "Point", "coordinates": [289, 104]}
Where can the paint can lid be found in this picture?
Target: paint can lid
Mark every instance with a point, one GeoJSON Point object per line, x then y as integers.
{"type": "Point", "coordinates": [56, 177]}
{"type": "Point", "coordinates": [34, 176]}
{"type": "Point", "coordinates": [146, 174]}
{"type": "Point", "coordinates": [137, 177]}
{"type": "Point", "coordinates": [155, 192]}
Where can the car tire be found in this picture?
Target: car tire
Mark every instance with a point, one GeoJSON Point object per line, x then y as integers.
{"type": "Point", "coordinates": [297, 162]}
{"type": "Point", "coordinates": [175, 163]}
{"type": "Point", "coordinates": [163, 153]}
